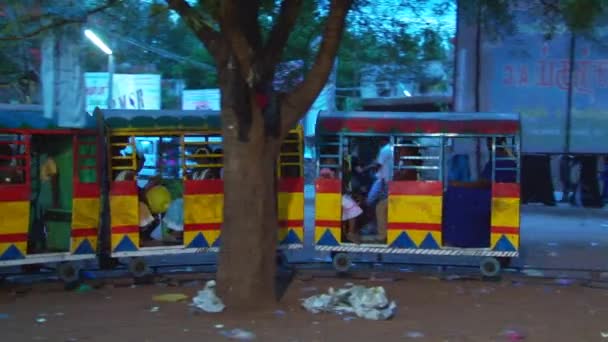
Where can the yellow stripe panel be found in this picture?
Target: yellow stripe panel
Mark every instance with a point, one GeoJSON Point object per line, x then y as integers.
{"type": "Point", "coordinates": [328, 207]}
{"type": "Point", "coordinates": [85, 213]}
{"type": "Point", "coordinates": [319, 231]}
{"type": "Point", "coordinates": [513, 238]}
{"type": "Point", "coordinates": [14, 217]}
{"type": "Point", "coordinates": [124, 211]}
{"type": "Point", "coordinates": [419, 209]}
{"type": "Point", "coordinates": [117, 238]}
{"type": "Point", "coordinates": [21, 246]}
{"type": "Point", "coordinates": [282, 233]}
{"type": "Point", "coordinates": [505, 212]}
{"type": "Point", "coordinates": [203, 208]}
{"type": "Point", "coordinates": [291, 206]}
{"type": "Point", "coordinates": [76, 241]}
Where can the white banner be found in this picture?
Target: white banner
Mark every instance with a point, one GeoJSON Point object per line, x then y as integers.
{"type": "Point", "coordinates": [129, 91]}
{"type": "Point", "coordinates": [201, 99]}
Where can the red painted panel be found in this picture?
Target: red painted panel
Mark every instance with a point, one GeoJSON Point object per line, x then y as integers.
{"type": "Point", "coordinates": [123, 188]}
{"type": "Point", "coordinates": [291, 223]}
{"type": "Point", "coordinates": [434, 227]}
{"type": "Point", "coordinates": [14, 192]}
{"type": "Point", "coordinates": [505, 230]}
{"type": "Point", "coordinates": [361, 125]}
{"type": "Point", "coordinates": [510, 190]}
{"type": "Point", "coordinates": [203, 187]}
{"type": "Point", "coordinates": [51, 131]}
{"type": "Point", "coordinates": [328, 186]}
{"type": "Point", "coordinates": [125, 229]}
{"type": "Point", "coordinates": [196, 227]}
{"type": "Point", "coordinates": [86, 190]}
{"type": "Point", "coordinates": [11, 238]}
{"type": "Point", "coordinates": [426, 188]}
{"type": "Point", "coordinates": [84, 232]}
{"type": "Point", "coordinates": [328, 224]}
{"type": "Point", "coordinates": [291, 184]}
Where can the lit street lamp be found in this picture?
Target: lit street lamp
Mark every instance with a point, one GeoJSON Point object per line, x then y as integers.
{"type": "Point", "coordinates": [103, 47]}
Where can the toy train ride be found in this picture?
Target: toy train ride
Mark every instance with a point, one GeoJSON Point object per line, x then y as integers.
{"type": "Point", "coordinates": [132, 184]}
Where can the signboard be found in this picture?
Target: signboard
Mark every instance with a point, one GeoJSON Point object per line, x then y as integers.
{"type": "Point", "coordinates": [528, 74]}
{"type": "Point", "coordinates": [589, 116]}
{"type": "Point", "coordinates": [129, 91]}
{"type": "Point", "coordinates": [201, 99]}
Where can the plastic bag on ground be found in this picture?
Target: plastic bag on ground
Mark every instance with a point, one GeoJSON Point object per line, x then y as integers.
{"type": "Point", "coordinates": [369, 303]}
{"type": "Point", "coordinates": [206, 300]}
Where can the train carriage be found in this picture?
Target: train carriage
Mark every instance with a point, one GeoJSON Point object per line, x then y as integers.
{"type": "Point", "coordinates": [166, 187]}
{"type": "Point", "coordinates": [49, 190]}
{"type": "Point", "coordinates": [424, 206]}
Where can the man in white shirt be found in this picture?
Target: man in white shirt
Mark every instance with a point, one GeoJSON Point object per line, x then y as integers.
{"type": "Point", "coordinates": [378, 194]}
{"type": "Point", "coordinates": [384, 173]}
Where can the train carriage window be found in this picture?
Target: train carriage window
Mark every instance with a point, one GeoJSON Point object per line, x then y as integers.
{"type": "Point", "coordinates": [290, 157]}
{"type": "Point", "coordinates": [123, 158]}
{"type": "Point", "coordinates": [203, 157]}
{"type": "Point", "coordinates": [330, 154]}
{"type": "Point", "coordinates": [13, 159]}
{"type": "Point", "coordinates": [86, 159]}
{"type": "Point", "coordinates": [417, 159]}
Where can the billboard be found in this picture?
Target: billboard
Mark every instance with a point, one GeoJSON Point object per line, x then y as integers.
{"type": "Point", "coordinates": [201, 99]}
{"type": "Point", "coordinates": [129, 91]}
{"type": "Point", "coordinates": [529, 74]}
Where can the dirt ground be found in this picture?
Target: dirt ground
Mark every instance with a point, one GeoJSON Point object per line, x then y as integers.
{"type": "Point", "coordinates": [429, 309]}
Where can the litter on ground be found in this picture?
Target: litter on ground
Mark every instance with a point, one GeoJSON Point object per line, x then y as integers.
{"type": "Point", "coordinates": [369, 303]}
{"type": "Point", "coordinates": [238, 334]}
{"type": "Point", "coordinates": [170, 297]}
{"type": "Point", "coordinates": [206, 300]}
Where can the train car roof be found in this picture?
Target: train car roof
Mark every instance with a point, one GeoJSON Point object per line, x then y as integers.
{"type": "Point", "coordinates": [329, 122]}
{"type": "Point", "coordinates": [27, 118]}
{"type": "Point", "coordinates": [162, 119]}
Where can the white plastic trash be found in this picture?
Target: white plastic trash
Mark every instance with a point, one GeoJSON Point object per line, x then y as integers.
{"type": "Point", "coordinates": [206, 300]}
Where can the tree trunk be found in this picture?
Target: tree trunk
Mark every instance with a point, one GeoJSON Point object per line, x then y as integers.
{"type": "Point", "coordinates": [246, 270]}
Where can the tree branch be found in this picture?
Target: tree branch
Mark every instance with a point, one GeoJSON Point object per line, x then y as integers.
{"type": "Point", "coordinates": [302, 97]}
{"type": "Point", "coordinates": [233, 31]}
{"type": "Point", "coordinates": [279, 35]}
{"type": "Point", "coordinates": [60, 22]}
{"type": "Point", "coordinates": [205, 33]}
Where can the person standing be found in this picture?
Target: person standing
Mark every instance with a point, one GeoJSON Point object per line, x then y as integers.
{"type": "Point", "coordinates": [377, 197]}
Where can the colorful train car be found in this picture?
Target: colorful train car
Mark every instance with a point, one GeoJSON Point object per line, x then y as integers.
{"type": "Point", "coordinates": [166, 187]}
{"type": "Point", "coordinates": [49, 190]}
{"type": "Point", "coordinates": [421, 199]}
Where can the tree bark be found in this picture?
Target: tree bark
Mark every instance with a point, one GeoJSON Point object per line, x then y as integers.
{"type": "Point", "coordinates": [246, 270]}
{"type": "Point", "coordinates": [254, 121]}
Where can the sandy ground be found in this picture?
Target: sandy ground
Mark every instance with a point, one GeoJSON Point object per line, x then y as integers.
{"type": "Point", "coordinates": [429, 309]}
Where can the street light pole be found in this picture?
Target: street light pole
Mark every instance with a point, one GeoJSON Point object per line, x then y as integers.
{"type": "Point", "coordinates": [110, 80]}
{"type": "Point", "coordinates": [103, 47]}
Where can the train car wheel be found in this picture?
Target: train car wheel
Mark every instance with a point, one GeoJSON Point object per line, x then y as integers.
{"type": "Point", "coordinates": [68, 272]}
{"type": "Point", "coordinates": [490, 267]}
{"type": "Point", "coordinates": [138, 267]}
{"type": "Point", "coordinates": [341, 262]}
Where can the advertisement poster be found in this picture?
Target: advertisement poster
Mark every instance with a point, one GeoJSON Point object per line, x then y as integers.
{"type": "Point", "coordinates": [201, 99]}
{"type": "Point", "coordinates": [129, 91]}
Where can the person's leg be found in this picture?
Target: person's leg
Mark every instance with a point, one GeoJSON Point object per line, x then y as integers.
{"type": "Point", "coordinates": [351, 234]}
{"type": "Point", "coordinates": [374, 194]}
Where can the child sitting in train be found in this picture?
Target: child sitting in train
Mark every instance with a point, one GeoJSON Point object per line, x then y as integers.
{"type": "Point", "coordinates": [350, 208]}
